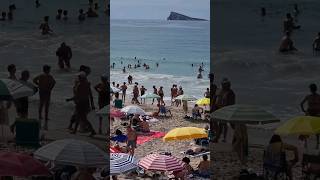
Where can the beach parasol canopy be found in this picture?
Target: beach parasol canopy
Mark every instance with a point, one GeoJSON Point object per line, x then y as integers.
{"type": "Point", "coordinates": [185, 97]}
{"type": "Point", "coordinates": [149, 96]}
{"type": "Point", "coordinates": [12, 89]}
{"type": "Point", "coordinates": [133, 110]}
{"type": "Point", "coordinates": [185, 133]}
{"type": "Point", "coordinates": [72, 152]}
{"type": "Point", "coordinates": [302, 125]}
{"type": "Point", "coordinates": [21, 165]}
{"type": "Point", "coordinates": [203, 101]}
{"type": "Point", "coordinates": [246, 114]}
{"type": "Point", "coordinates": [114, 89]}
{"type": "Point", "coordinates": [122, 163]}
{"type": "Point", "coordinates": [159, 162]}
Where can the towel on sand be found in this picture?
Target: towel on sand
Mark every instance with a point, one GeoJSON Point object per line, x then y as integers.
{"type": "Point", "coordinates": [149, 136]}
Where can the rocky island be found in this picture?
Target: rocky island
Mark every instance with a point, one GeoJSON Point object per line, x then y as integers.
{"type": "Point", "coordinates": [181, 17]}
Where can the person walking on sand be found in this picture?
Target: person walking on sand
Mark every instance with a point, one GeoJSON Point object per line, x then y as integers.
{"type": "Point", "coordinates": [313, 101]}
{"type": "Point", "coordinates": [101, 88]}
{"type": "Point", "coordinates": [226, 97]}
{"type": "Point", "coordinates": [155, 91]}
{"type": "Point", "coordinates": [124, 91]}
{"type": "Point", "coordinates": [132, 140]}
{"type": "Point", "coordinates": [64, 54]}
{"type": "Point", "coordinates": [84, 102]}
{"type": "Point", "coordinates": [45, 83]}
{"type": "Point", "coordinates": [12, 72]}
{"type": "Point", "coordinates": [135, 95]}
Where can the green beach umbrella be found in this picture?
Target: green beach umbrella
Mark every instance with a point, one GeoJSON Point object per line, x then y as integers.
{"type": "Point", "coordinates": [149, 96]}
{"type": "Point", "coordinates": [12, 89]}
{"type": "Point", "coordinates": [185, 97]}
{"type": "Point", "coordinates": [245, 114]}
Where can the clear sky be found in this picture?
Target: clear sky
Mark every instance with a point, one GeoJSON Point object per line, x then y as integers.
{"type": "Point", "coordinates": [158, 9]}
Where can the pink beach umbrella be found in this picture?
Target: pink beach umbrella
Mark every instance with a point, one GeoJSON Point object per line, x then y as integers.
{"type": "Point", "coordinates": [159, 162]}
{"type": "Point", "coordinates": [21, 165]}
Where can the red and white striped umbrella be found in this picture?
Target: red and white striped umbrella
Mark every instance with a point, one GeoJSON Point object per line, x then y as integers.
{"type": "Point", "coordinates": [161, 162]}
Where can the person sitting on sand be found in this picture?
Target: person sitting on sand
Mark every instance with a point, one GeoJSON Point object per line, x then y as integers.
{"type": "Point", "coordinates": [84, 174]}
{"type": "Point", "coordinates": [81, 16]}
{"type": "Point", "coordinates": [275, 153]}
{"type": "Point", "coordinates": [144, 126]}
{"type": "Point", "coordinates": [187, 170]}
{"type": "Point", "coordinates": [316, 43]}
{"type": "Point", "coordinates": [3, 16]}
{"type": "Point", "coordinates": [91, 13]}
{"type": "Point", "coordinates": [59, 14]}
{"type": "Point", "coordinates": [12, 72]}
{"type": "Point", "coordinates": [135, 121]}
{"type": "Point", "coordinates": [313, 101]}
{"type": "Point", "coordinates": [163, 109]}
{"type": "Point", "coordinates": [286, 44]}
{"type": "Point", "coordinates": [64, 54]}
{"type": "Point", "coordinates": [45, 83]}
{"type": "Point", "coordinates": [204, 167]}
{"type": "Point", "coordinates": [132, 140]}
{"type": "Point", "coordinates": [45, 26]}
{"type": "Point", "coordinates": [197, 111]}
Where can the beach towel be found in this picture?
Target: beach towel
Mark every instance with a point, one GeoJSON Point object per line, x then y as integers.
{"type": "Point", "coordinates": [149, 137]}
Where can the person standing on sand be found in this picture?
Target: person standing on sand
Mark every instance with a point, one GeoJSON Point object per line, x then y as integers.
{"type": "Point", "coordinates": [142, 92]}
{"type": "Point", "coordinates": [132, 140]}
{"type": "Point", "coordinates": [155, 91]}
{"type": "Point", "coordinates": [84, 102]}
{"type": "Point", "coordinates": [45, 26]}
{"type": "Point", "coordinates": [207, 93]}
{"type": "Point", "coordinates": [161, 94]}
{"type": "Point", "coordinates": [45, 83]}
{"type": "Point", "coordinates": [313, 101]}
{"type": "Point", "coordinates": [135, 95]}
{"type": "Point", "coordinates": [64, 54]}
{"type": "Point", "coordinates": [12, 72]}
{"type": "Point", "coordinates": [130, 78]}
{"type": "Point", "coordinates": [101, 88]}
{"type": "Point", "coordinates": [226, 97]}
{"type": "Point", "coordinates": [124, 91]}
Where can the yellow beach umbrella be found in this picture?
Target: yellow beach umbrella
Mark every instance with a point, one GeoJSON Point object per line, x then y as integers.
{"type": "Point", "coordinates": [185, 133]}
{"type": "Point", "coordinates": [302, 125]}
{"type": "Point", "coordinates": [203, 101]}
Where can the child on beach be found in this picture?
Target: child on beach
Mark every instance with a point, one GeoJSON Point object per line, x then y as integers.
{"type": "Point", "coordinates": [45, 83]}
{"type": "Point", "coordinates": [101, 88]}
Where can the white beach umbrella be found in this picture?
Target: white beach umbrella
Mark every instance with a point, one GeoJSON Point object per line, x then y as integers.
{"type": "Point", "coordinates": [133, 110]}
{"type": "Point", "coordinates": [185, 97]}
{"type": "Point", "coordinates": [114, 89]}
{"type": "Point", "coordinates": [12, 89]}
{"type": "Point", "coordinates": [122, 163]}
{"type": "Point", "coordinates": [72, 152]}
{"type": "Point", "coordinates": [149, 96]}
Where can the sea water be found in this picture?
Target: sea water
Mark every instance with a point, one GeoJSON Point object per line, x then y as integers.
{"type": "Point", "coordinates": [246, 51]}
{"type": "Point", "coordinates": [175, 45]}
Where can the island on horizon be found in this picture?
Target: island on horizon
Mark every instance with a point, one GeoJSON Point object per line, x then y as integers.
{"type": "Point", "coordinates": [181, 17]}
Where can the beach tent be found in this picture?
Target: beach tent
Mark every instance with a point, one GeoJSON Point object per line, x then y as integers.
{"type": "Point", "coordinates": [133, 110]}
{"type": "Point", "coordinates": [301, 125]}
{"type": "Point", "coordinates": [185, 133]}
{"type": "Point", "coordinates": [159, 162]}
{"type": "Point", "coordinates": [122, 163]}
{"type": "Point", "coordinates": [185, 97]}
{"type": "Point", "coordinates": [72, 152]}
{"type": "Point", "coordinates": [12, 89]}
{"type": "Point", "coordinates": [21, 165]}
{"type": "Point", "coordinates": [245, 114]}
{"type": "Point", "coordinates": [203, 101]}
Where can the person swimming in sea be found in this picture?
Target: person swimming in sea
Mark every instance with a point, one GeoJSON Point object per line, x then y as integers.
{"type": "Point", "coordinates": [316, 44]}
{"type": "Point", "coordinates": [81, 16]}
{"type": "Point", "coordinates": [59, 14]}
{"type": "Point", "coordinates": [45, 26]}
{"type": "Point", "coordinates": [287, 44]}
{"type": "Point", "coordinates": [124, 70]}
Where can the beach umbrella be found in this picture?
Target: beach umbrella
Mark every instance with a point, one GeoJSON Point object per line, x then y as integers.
{"type": "Point", "coordinates": [246, 114]}
{"type": "Point", "coordinates": [21, 165]}
{"type": "Point", "coordinates": [133, 110]}
{"type": "Point", "coordinates": [122, 163]}
{"type": "Point", "coordinates": [114, 89]}
{"type": "Point", "coordinates": [12, 89]}
{"type": "Point", "coordinates": [185, 97]}
{"type": "Point", "coordinates": [203, 101]}
{"type": "Point", "coordinates": [72, 152]}
{"type": "Point", "coordinates": [149, 96]}
{"type": "Point", "coordinates": [302, 125]}
{"type": "Point", "coordinates": [159, 162]}
{"type": "Point", "coordinates": [185, 133]}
